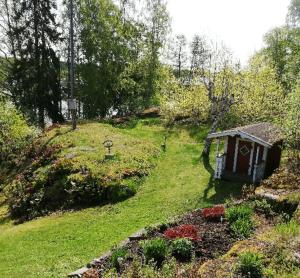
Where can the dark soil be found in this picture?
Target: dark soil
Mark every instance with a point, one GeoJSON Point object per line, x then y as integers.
{"type": "Point", "coordinates": [215, 241]}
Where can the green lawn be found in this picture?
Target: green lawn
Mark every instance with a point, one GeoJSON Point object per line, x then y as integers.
{"type": "Point", "coordinates": [56, 245]}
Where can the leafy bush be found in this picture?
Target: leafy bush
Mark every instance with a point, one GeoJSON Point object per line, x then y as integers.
{"type": "Point", "coordinates": [118, 255]}
{"type": "Point", "coordinates": [155, 249]}
{"type": "Point", "coordinates": [15, 135]}
{"type": "Point", "coordinates": [181, 249]}
{"type": "Point", "coordinates": [239, 218]}
{"type": "Point", "coordinates": [242, 228]}
{"type": "Point", "coordinates": [183, 231]}
{"type": "Point", "coordinates": [262, 206]}
{"type": "Point", "coordinates": [238, 212]}
{"type": "Point", "coordinates": [214, 213]}
{"type": "Point", "coordinates": [183, 103]}
{"type": "Point", "coordinates": [250, 265]}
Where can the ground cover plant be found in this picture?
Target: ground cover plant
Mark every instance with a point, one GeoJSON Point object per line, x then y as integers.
{"type": "Point", "coordinates": [250, 265]}
{"type": "Point", "coordinates": [183, 231]}
{"type": "Point", "coordinates": [69, 170]}
{"type": "Point", "coordinates": [178, 183]}
{"type": "Point", "coordinates": [118, 255]}
{"type": "Point", "coordinates": [214, 213]}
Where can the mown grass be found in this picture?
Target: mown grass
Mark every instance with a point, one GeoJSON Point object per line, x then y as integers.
{"type": "Point", "coordinates": [55, 245]}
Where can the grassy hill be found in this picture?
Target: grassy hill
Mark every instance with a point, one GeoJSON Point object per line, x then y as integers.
{"type": "Point", "coordinates": [55, 245]}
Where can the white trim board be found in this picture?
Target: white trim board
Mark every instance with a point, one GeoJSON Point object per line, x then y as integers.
{"type": "Point", "coordinates": [243, 135]}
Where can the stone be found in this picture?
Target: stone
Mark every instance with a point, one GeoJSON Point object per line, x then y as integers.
{"type": "Point", "coordinates": [78, 273]}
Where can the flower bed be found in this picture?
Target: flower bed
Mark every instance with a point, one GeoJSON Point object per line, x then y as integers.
{"type": "Point", "coordinates": [208, 240]}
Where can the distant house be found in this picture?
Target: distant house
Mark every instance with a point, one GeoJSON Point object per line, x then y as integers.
{"type": "Point", "coordinates": [250, 153]}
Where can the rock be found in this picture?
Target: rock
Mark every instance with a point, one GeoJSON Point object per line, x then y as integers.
{"type": "Point", "coordinates": [153, 112]}
{"type": "Point", "coordinates": [140, 235]}
{"type": "Point", "coordinates": [78, 273]}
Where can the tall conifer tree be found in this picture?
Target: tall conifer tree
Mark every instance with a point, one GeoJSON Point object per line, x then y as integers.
{"type": "Point", "coordinates": [35, 75]}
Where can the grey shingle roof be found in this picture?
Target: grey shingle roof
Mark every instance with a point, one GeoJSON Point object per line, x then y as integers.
{"type": "Point", "coordinates": [264, 133]}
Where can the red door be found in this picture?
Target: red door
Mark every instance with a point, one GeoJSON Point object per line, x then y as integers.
{"type": "Point", "coordinates": [243, 157]}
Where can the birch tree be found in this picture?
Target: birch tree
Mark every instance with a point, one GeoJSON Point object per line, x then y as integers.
{"type": "Point", "coordinates": [213, 66]}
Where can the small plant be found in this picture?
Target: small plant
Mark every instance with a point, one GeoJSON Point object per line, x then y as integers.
{"type": "Point", "coordinates": [181, 249]}
{"type": "Point", "coordinates": [183, 231]}
{"type": "Point", "coordinates": [250, 265]}
{"type": "Point", "coordinates": [215, 213]}
{"type": "Point", "coordinates": [240, 220]}
{"type": "Point", "coordinates": [262, 206]}
{"type": "Point", "coordinates": [118, 255]}
{"type": "Point", "coordinates": [242, 228]}
{"type": "Point", "coordinates": [238, 212]}
{"type": "Point", "coordinates": [155, 250]}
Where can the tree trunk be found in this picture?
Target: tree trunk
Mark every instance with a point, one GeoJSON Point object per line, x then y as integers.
{"type": "Point", "coordinates": [41, 117]}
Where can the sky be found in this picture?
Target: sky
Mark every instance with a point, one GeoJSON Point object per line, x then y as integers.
{"type": "Point", "coordinates": [239, 24]}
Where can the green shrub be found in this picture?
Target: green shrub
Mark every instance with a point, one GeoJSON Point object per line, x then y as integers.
{"type": "Point", "coordinates": [15, 136]}
{"type": "Point", "coordinates": [155, 249]}
{"type": "Point", "coordinates": [250, 265]}
{"type": "Point", "coordinates": [117, 255]}
{"type": "Point", "coordinates": [239, 218]}
{"type": "Point", "coordinates": [182, 249]}
{"type": "Point", "coordinates": [234, 213]}
{"type": "Point", "coordinates": [262, 206]}
{"type": "Point", "coordinates": [242, 228]}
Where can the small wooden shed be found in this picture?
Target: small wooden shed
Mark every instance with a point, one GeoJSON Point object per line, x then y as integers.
{"type": "Point", "coordinates": [250, 153]}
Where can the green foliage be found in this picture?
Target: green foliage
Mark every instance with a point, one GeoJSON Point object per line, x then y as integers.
{"type": "Point", "coordinates": [182, 249]}
{"type": "Point", "coordinates": [293, 16]}
{"type": "Point", "coordinates": [178, 102]}
{"type": "Point", "coordinates": [234, 213]}
{"type": "Point", "coordinates": [239, 218]}
{"type": "Point", "coordinates": [250, 265]}
{"type": "Point", "coordinates": [263, 206]}
{"type": "Point", "coordinates": [118, 255]}
{"type": "Point", "coordinates": [84, 234]}
{"type": "Point", "coordinates": [34, 76]}
{"type": "Point", "coordinates": [155, 250]}
{"type": "Point", "coordinates": [69, 171]}
{"type": "Point", "coordinates": [15, 133]}
{"type": "Point", "coordinates": [290, 124]}
{"type": "Point", "coordinates": [281, 263]}
{"type": "Point", "coordinates": [261, 96]}
{"type": "Point", "coordinates": [120, 70]}
{"type": "Point", "coordinates": [139, 270]}
{"type": "Point", "coordinates": [283, 52]}
{"type": "Point", "coordinates": [286, 231]}
{"type": "Point", "coordinates": [242, 228]}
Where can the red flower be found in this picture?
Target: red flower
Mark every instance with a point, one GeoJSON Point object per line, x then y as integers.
{"type": "Point", "coordinates": [183, 231]}
{"type": "Point", "coordinates": [214, 213]}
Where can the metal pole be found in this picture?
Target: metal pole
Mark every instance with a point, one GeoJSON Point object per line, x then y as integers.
{"type": "Point", "coordinates": [72, 74]}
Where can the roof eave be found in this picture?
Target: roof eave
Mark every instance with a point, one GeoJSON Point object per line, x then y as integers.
{"type": "Point", "coordinates": [243, 134]}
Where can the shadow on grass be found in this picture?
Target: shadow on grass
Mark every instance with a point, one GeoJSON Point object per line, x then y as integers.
{"type": "Point", "coordinates": [197, 132]}
{"type": "Point", "coordinates": [223, 189]}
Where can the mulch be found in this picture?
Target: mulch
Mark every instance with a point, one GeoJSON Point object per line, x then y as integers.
{"type": "Point", "coordinates": [215, 240]}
